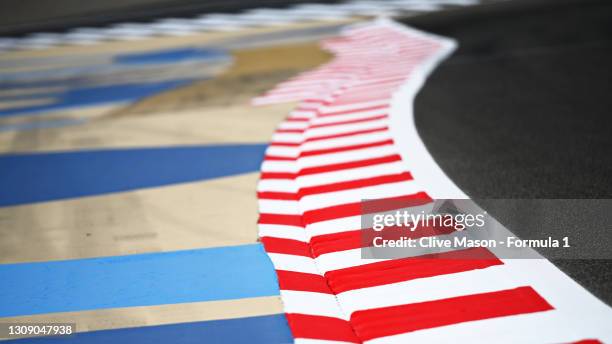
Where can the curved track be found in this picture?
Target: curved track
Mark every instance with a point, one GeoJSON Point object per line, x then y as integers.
{"type": "Point", "coordinates": [522, 110]}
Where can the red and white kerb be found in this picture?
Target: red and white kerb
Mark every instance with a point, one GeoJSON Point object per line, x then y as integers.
{"type": "Point", "coordinates": [350, 138]}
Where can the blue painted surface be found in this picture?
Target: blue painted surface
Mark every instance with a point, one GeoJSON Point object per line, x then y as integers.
{"type": "Point", "coordinates": [98, 95]}
{"type": "Point", "coordinates": [220, 273]}
{"type": "Point", "coordinates": [171, 56]}
{"type": "Point", "coordinates": [268, 329]}
{"type": "Point", "coordinates": [28, 178]}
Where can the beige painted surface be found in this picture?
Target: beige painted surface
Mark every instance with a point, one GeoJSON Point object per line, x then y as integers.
{"type": "Point", "coordinates": [104, 319]}
{"type": "Point", "coordinates": [238, 124]}
{"type": "Point", "coordinates": [13, 104]}
{"type": "Point", "coordinates": [254, 71]}
{"type": "Point", "coordinates": [209, 111]}
{"type": "Point", "coordinates": [88, 112]}
{"type": "Point", "coordinates": [11, 92]}
{"type": "Point", "coordinates": [218, 212]}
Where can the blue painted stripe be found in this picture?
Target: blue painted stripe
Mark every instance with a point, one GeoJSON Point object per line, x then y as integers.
{"type": "Point", "coordinates": [27, 178]}
{"type": "Point", "coordinates": [268, 329]}
{"type": "Point", "coordinates": [220, 273]}
{"type": "Point", "coordinates": [97, 95]}
{"type": "Point", "coordinates": [172, 56]}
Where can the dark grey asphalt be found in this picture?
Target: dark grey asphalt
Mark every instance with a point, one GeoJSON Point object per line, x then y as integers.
{"type": "Point", "coordinates": [523, 109]}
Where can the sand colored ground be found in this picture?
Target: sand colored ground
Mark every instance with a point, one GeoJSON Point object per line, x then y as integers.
{"type": "Point", "coordinates": [88, 112]}
{"type": "Point", "coordinates": [12, 92]}
{"type": "Point", "coordinates": [254, 71]}
{"type": "Point", "coordinates": [219, 212]}
{"type": "Point", "coordinates": [13, 104]}
{"type": "Point", "coordinates": [210, 111]}
{"type": "Point", "coordinates": [158, 315]}
{"type": "Point", "coordinates": [214, 125]}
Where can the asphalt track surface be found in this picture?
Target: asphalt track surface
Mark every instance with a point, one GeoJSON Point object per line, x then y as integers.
{"type": "Point", "coordinates": [522, 111]}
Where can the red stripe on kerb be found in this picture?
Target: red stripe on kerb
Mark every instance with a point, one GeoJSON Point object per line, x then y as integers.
{"type": "Point", "coordinates": [588, 341]}
{"type": "Point", "coordinates": [336, 242]}
{"type": "Point", "coordinates": [351, 133]}
{"type": "Point", "coordinates": [353, 121]}
{"type": "Point", "coordinates": [293, 131]}
{"type": "Point", "coordinates": [332, 167]}
{"type": "Point", "coordinates": [387, 321]}
{"type": "Point", "coordinates": [406, 269]}
{"type": "Point", "coordinates": [321, 327]}
{"type": "Point", "coordinates": [299, 281]}
{"type": "Point", "coordinates": [341, 186]}
{"type": "Point", "coordinates": [354, 184]}
{"type": "Point", "coordinates": [286, 246]}
{"type": "Point", "coordinates": [349, 165]}
{"type": "Point", "coordinates": [280, 219]}
{"type": "Point", "coordinates": [285, 196]}
{"type": "Point", "coordinates": [327, 137]}
{"type": "Point", "coordinates": [346, 148]}
{"type": "Point", "coordinates": [330, 150]}
{"type": "Point", "coordinates": [367, 207]}
{"type": "Point", "coordinates": [277, 175]}
{"type": "Point", "coordinates": [353, 111]}
{"type": "Point", "coordinates": [286, 144]}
